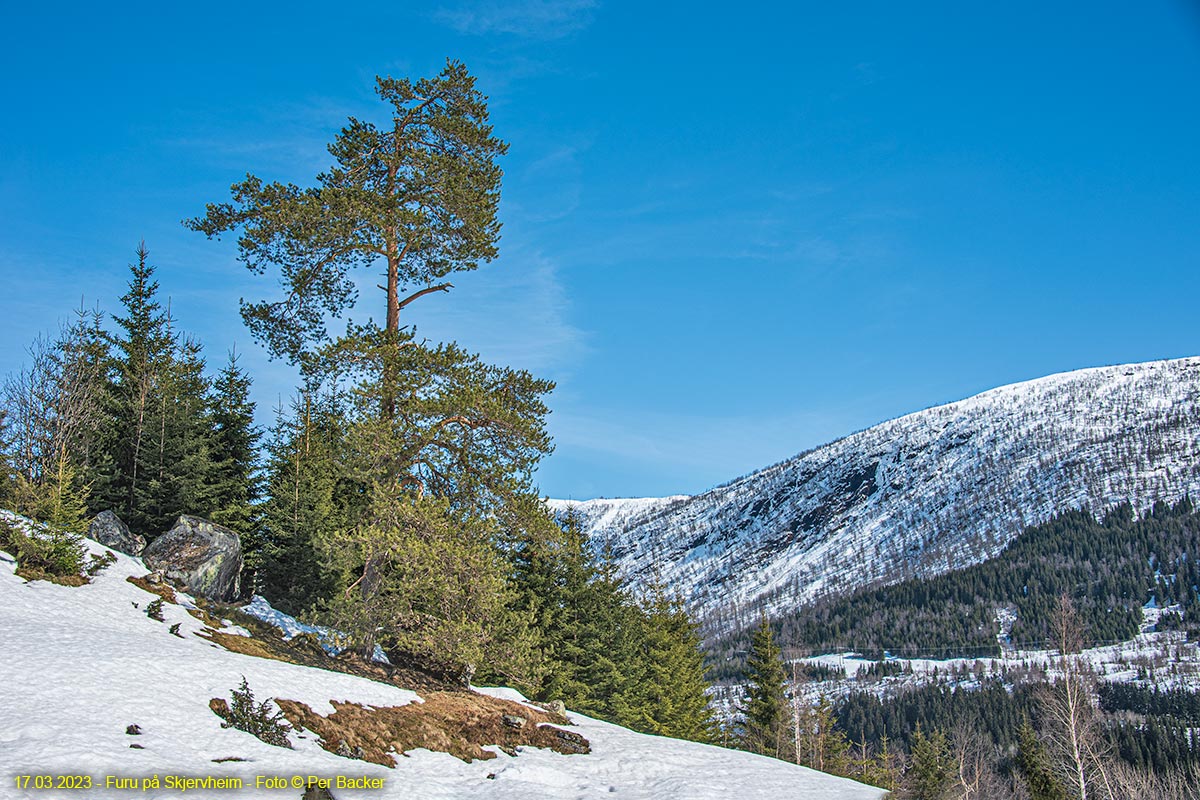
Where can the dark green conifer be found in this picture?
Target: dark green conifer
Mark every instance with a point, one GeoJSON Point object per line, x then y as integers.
{"type": "Point", "coordinates": [673, 691]}
{"type": "Point", "coordinates": [308, 497]}
{"type": "Point", "coordinates": [236, 485]}
{"type": "Point", "coordinates": [931, 774]}
{"type": "Point", "coordinates": [765, 713]}
{"type": "Point", "coordinates": [1034, 764]}
{"type": "Point", "coordinates": [129, 475]}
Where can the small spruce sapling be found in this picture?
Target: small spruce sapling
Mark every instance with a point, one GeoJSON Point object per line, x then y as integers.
{"type": "Point", "coordinates": [257, 719]}
{"type": "Point", "coordinates": [154, 610]}
{"type": "Point", "coordinates": [100, 563]}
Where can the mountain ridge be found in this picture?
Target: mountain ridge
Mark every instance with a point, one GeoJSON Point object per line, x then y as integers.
{"type": "Point", "coordinates": [920, 494]}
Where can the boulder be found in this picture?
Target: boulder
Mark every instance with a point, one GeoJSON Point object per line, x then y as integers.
{"type": "Point", "coordinates": [108, 529]}
{"type": "Point", "coordinates": [201, 557]}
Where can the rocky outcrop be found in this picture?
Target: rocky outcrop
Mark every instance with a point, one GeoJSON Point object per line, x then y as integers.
{"type": "Point", "coordinates": [108, 529]}
{"type": "Point", "coordinates": [200, 557]}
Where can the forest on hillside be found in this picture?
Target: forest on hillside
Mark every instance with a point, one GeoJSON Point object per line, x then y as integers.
{"type": "Point", "coordinates": [1109, 567]}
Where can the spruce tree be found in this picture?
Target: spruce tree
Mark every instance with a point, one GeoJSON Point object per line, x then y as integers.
{"type": "Point", "coordinates": [673, 690]}
{"type": "Point", "coordinates": [307, 498]}
{"type": "Point", "coordinates": [128, 467]}
{"type": "Point", "coordinates": [931, 774]}
{"type": "Point", "coordinates": [765, 712]}
{"type": "Point", "coordinates": [236, 485]}
{"type": "Point", "coordinates": [1034, 765]}
{"type": "Point", "coordinates": [552, 566]}
{"type": "Point", "coordinates": [184, 473]}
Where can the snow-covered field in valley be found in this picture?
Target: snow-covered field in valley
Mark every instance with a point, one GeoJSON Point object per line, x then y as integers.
{"type": "Point", "coordinates": [84, 663]}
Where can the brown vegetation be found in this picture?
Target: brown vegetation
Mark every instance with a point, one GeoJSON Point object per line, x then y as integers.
{"type": "Point", "coordinates": [35, 574]}
{"type": "Point", "coordinates": [161, 589]}
{"type": "Point", "coordinates": [459, 723]}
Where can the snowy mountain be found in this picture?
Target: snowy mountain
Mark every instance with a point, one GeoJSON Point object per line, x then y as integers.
{"type": "Point", "coordinates": [84, 664]}
{"type": "Point", "coordinates": [922, 494]}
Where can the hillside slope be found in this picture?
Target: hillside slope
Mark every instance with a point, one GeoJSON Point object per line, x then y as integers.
{"type": "Point", "coordinates": [916, 496]}
{"type": "Point", "coordinates": [83, 663]}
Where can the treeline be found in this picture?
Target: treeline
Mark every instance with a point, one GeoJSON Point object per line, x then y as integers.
{"type": "Point", "coordinates": [126, 419]}
{"type": "Point", "coordinates": [1110, 568]}
{"type": "Point", "coordinates": [1002, 737]}
{"type": "Point", "coordinates": [1178, 703]}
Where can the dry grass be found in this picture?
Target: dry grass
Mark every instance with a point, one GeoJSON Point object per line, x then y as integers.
{"type": "Point", "coordinates": [268, 642]}
{"type": "Point", "coordinates": [459, 723]}
{"type": "Point", "coordinates": [34, 574]}
{"type": "Point", "coordinates": [161, 589]}
{"type": "Point", "coordinates": [245, 645]}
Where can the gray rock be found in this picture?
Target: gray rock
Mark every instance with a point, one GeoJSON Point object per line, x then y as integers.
{"type": "Point", "coordinates": [556, 707]}
{"type": "Point", "coordinates": [345, 751]}
{"type": "Point", "coordinates": [513, 721]}
{"type": "Point", "coordinates": [108, 529]}
{"type": "Point", "coordinates": [572, 742]}
{"type": "Point", "coordinates": [203, 558]}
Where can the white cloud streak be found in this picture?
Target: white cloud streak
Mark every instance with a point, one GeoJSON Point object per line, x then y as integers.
{"type": "Point", "coordinates": [531, 19]}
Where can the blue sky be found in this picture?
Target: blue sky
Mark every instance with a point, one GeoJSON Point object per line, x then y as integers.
{"type": "Point", "coordinates": [730, 233]}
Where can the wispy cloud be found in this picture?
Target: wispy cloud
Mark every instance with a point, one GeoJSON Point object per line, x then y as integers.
{"type": "Point", "coordinates": [549, 188]}
{"type": "Point", "coordinates": [532, 19]}
{"type": "Point", "coordinates": [717, 447]}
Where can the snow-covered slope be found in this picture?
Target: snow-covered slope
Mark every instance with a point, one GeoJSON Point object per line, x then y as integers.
{"type": "Point", "coordinates": [935, 490]}
{"type": "Point", "coordinates": [81, 664]}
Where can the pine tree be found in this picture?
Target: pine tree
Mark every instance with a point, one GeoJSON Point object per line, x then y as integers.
{"type": "Point", "coordinates": [419, 192]}
{"type": "Point", "coordinates": [430, 586]}
{"type": "Point", "coordinates": [436, 438]}
{"type": "Point", "coordinates": [765, 713]}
